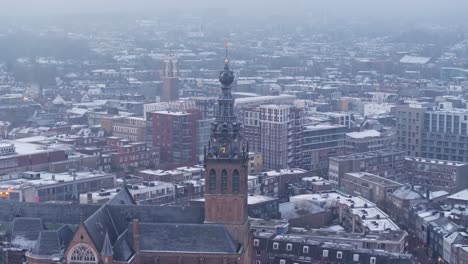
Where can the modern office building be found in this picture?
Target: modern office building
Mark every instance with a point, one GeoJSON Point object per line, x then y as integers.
{"type": "Point", "coordinates": [445, 133]}
{"type": "Point", "coordinates": [369, 140]}
{"type": "Point", "coordinates": [437, 175]}
{"type": "Point", "coordinates": [321, 142]}
{"type": "Point", "coordinates": [388, 164]}
{"type": "Point", "coordinates": [251, 128]}
{"type": "Point", "coordinates": [369, 186]}
{"type": "Point", "coordinates": [281, 136]}
{"type": "Point", "coordinates": [439, 132]}
{"type": "Point", "coordinates": [203, 135]}
{"type": "Point", "coordinates": [409, 125]}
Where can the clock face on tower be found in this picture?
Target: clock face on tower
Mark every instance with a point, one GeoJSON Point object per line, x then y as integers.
{"type": "Point", "coordinates": [224, 149]}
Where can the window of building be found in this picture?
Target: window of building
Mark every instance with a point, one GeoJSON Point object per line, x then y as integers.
{"type": "Point", "coordinates": [258, 262]}
{"type": "Point", "coordinates": [235, 181]}
{"type": "Point", "coordinates": [325, 253]}
{"type": "Point", "coordinates": [212, 184]}
{"type": "Point", "coordinates": [275, 245]}
{"type": "Point", "coordinates": [356, 257]}
{"type": "Point", "coordinates": [82, 254]}
{"type": "Point", "coordinates": [373, 260]}
{"type": "Point", "coordinates": [305, 249]}
{"type": "Point", "coordinates": [224, 181]}
{"type": "Point", "coordinates": [256, 242]}
{"type": "Point", "coordinates": [339, 255]}
{"type": "Point", "coordinates": [289, 247]}
{"type": "Point", "coordinates": [282, 261]}
{"type": "Point", "coordinates": [258, 252]}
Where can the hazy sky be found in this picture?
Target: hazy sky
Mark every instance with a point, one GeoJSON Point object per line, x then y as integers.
{"type": "Point", "coordinates": [388, 8]}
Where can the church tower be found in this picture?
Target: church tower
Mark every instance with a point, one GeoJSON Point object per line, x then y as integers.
{"type": "Point", "coordinates": [226, 162]}
{"type": "Point", "coordinates": [170, 90]}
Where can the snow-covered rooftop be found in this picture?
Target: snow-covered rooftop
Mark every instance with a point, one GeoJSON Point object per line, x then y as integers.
{"type": "Point", "coordinates": [461, 195]}
{"type": "Point", "coordinates": [364, 134]}
{"type": "Point", "coordinates": [414, 59]}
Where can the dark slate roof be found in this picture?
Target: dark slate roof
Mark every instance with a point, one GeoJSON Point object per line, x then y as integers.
{"type": "Point", "coordinates": [122, 248]}
{"type": "Point", "coordinates": [206, 238]}
{"type": "Point", "coordinates": [25, 231]}
{"type": "Point", "coordinates": [107, 247]}
{"type": "Point", "coordinates": [97, 224]}
{"type": "Point", "coordinates": [408, 92]}
{"type": "Point", "coordinates": [48, 212]}
{"type": "Point", "coordinates": [124, 197]}
{"type": "Point", "coordinates": [47, 244]}
{"type": "Point", "coordinates": [124, 214]}
{"type": "Point", "coordinates": [65, 234]}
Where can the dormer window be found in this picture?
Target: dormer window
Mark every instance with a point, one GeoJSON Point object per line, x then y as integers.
{"type": "Point", "coordinates": [256, 242]}
{"type": "Point", "coordinates": [275, 245]}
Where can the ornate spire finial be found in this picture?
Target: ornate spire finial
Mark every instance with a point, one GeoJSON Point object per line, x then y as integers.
{"type": "Point", "coordinates": [226, 77]}
{"type": "Point", "coordinates": [226, 59]}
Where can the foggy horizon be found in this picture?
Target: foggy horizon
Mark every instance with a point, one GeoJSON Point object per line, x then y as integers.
{"type": "Point", "coordinates": [450, 9]}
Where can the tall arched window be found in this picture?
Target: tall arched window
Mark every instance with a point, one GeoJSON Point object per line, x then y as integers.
{"type": "Point", "coordinates": [235, 181]}
{"type": "Point", "coordinates": [82, 254]}
{"type": "Point", "coordinates": [224, 181]}
{"type": "Point", "coordinates": [212, 180]}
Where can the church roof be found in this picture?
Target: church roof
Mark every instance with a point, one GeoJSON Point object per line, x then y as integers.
{"type": "Point", "coordinates": [122, 248]}
{"type": "Point", "coordinates": [123, 214]}
{"type": "Point", "coordinates": [97, 224]}
{"type": "Point", "coordinates": [108, 226]}
{"type": "Point", "coordinates": [200, 238]}
{"type": "Point", "coordinates": [107, 247]}
{"type": "Point", "coordinates": [48, 243]}
{"type": "Point", "coordinates": [25, 231]}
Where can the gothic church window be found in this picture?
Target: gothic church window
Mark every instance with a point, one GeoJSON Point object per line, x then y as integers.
{"type": "Point", "coordinates": [224, 181]}
{"type": "Point", "coordinates": [235, 181]}
{"type": "Point", "coordinates": [212, 183]}
{"type": "Point", "coordinates": [82, 254]}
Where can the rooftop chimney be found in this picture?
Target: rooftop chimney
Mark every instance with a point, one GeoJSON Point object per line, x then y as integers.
{"type": "Point", "coordinates": [136, 237]}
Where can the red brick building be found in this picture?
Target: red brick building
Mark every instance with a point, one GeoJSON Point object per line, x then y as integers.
{"type": "Point", "coordinates": [126, 154]}
{"type": "Point", "coordinates": [175, 134]}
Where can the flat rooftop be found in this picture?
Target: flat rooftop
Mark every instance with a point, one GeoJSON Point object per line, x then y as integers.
{"type": "Point", "coordinates": [364, 134]}
{"type": "Point", "coordinates": [380, 224]}
{"type": "Point", "coordinates": [47, 178]}
{"type": "Point", "coordinates": [251, 199]}
{"type": "Point", "coordinates": [334, 236]}
{"type": "Point", "coordinates": [436, 161]}
{"type": "Point", "coordinates": [374, 178]}
{"type": "Point", "coordinates": [321, 127]}
{"type": "Point", "coordinates": [367, 155]}
{"type": "Point", "coordinates": [26, 148]}
{"type": "Point", "coordinates": [282, 172]}
{"type": "Point", "coordinates": [135, 189]}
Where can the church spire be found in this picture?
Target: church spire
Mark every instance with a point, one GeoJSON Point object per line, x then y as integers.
{"type": "Point", "coordinates": [225, 139]}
